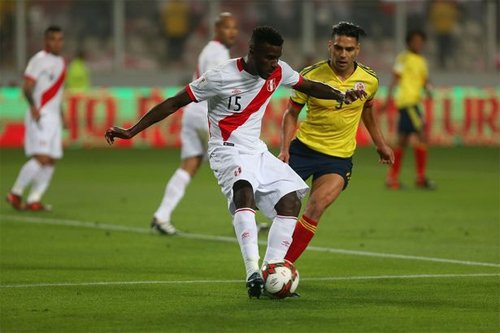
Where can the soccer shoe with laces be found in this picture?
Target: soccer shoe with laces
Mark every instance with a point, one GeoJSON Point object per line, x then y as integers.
{"type": "Point", "coordinates": [15, 201]}
{"type": "Point", "coordinates": [425, 184]}
{"type": "Point", "coordinates": [255, 285]}
{"type": "Point", "coordinates": [164, 228]}
{"type": "Point", "coordinates": [37, 207]}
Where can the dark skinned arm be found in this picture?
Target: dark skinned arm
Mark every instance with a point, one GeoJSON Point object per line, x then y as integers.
{"type": "Point", "coordinates": [323, 91]}
{"type": "Point", "coordinates": [156, 114]}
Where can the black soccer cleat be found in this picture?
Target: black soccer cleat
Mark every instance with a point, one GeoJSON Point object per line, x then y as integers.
{"type": "Point", "coordinates": [163, 228]}
{"type": "Point", "coordinates": [425, 184]}
{"type": "Point", "coordinates": [255, 285]}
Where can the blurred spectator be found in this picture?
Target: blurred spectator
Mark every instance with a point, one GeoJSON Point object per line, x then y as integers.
{"type": "Point", "coordinates": [176, 20]}
{"type": "Point", "coordinates": [444, 16]}
{"type": "Point", "coordinates": [78, 74]}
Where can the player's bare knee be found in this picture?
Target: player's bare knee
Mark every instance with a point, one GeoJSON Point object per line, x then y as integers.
{"type": "Point", "coordinates": [289, 205]}
{"type": "Point", "coordinates": [243, 195]}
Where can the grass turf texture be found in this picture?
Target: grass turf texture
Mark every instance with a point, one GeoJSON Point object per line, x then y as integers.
{"type": "Point", "coordinates": [123, 187]}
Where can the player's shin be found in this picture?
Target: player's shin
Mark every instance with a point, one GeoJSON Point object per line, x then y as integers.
{"type": "Point", "coordinates": [280, 237]}
{"type": "Point", "coordinates": [246, 231]}
{"type": "Point", "coordinates": [302, 236]}
{"type": "Point", "coordinates": [174, 191]}
{"type": "Point", "coordinates": [40, 183]}
{"type": "Point", "coordinates": [28, 172]}
{"type": "Point", "coordinates": [420, 161]}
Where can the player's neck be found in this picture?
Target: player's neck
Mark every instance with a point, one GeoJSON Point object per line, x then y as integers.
{"type": "Point", "coordinates": [249, 67]}
{"type": "Point", "coordinates": [342, 74]}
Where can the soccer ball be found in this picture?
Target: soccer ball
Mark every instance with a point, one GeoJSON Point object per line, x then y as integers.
{"type": "Point", "coordinates": [281, 278]}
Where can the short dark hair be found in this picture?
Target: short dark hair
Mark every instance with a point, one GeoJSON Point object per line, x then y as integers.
{"type": "Point", "coordinates": [51, 29]}
{"type": "Point", "coordinates": [266, 35]}
{"type": "Point", "coordinates": [413, 33]}
{"type": "Point", "coordinates": [348, 29]}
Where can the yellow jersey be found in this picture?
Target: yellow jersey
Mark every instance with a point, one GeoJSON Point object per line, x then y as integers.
{"type": "Point", "coordinates": [330, 127]}
{"type": "Point", "coordinates": [412, 70]}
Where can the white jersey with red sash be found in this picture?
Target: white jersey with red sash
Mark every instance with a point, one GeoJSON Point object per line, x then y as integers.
{"type": "Point", "coordinates": [48, 71]}
{"type": "Point", "coordinates": [237, 101]}
{"type": "Point", "coordinates": [44, 136]}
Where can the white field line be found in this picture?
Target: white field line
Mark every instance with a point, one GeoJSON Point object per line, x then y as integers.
{"type": "Point", "coordinates": [115, 227]}
{"type": "Point", "coordinates": [328, 278]}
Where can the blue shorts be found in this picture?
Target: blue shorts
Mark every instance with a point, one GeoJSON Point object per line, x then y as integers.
{"type": "Point", "coordinates": [307, 162]}
{"type": "Point", "coordinates": [410, 120]}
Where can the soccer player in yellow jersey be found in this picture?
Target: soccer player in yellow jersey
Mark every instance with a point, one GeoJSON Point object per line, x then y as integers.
{"type": "Point", "coordinates": [326, 139]}
{"type": "Point", "coordinates": [411, 77]}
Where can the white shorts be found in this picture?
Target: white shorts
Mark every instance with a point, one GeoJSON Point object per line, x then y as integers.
{"type": "Point", "coordinates": [194, 132]}
{"type": "Point", "coordinates": [271, 179]}
{"type": "Point", "coordinates": [43, 137]}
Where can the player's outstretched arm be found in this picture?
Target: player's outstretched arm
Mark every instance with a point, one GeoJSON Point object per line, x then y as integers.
{"type": "Point", "coordinates": [157, 113]}
{"type": "Point", "coordinates": [323, 91]}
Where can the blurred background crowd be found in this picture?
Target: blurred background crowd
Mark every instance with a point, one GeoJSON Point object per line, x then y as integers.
{"type": "Point", "coordinates": [157, 41]}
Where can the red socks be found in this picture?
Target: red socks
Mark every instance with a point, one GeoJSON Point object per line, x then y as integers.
{"type": "Point", "coordinates": [420, 161]}
{"type": "Point", "coordinates": [394, 170]}
{"type": "Point", "coordinates": [302, 235]}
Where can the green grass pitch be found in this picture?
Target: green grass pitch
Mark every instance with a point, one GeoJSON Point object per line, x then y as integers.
{"type": "Point", "coordinates": [382, 261]}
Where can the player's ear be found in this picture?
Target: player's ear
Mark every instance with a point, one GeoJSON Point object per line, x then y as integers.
{"type": "Point", "coordinates": [251, 50]}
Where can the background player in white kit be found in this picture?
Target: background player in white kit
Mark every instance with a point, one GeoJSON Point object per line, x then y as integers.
{"type": "Point", "coordinates": [238, 93]}
{"type": "Point", "coordinates": [43, 89]}
{"type": "Point", "coordinates": [194, 132]}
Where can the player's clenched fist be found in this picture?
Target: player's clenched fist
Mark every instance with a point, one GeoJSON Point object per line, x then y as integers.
{"type": "Point", "coordinates": [116, 132]}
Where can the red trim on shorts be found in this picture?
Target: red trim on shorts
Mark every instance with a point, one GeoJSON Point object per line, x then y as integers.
{"type": "Point", "coordinates": [230, 123]}
{"type": "Point", "coordinates": [239, 64]}
{"type": "Point", "coordinates": [190, 93]}
{"type": "Point", "coordinates": [54, 89]}
{"type": "Point", "coordinates": [298, 82]}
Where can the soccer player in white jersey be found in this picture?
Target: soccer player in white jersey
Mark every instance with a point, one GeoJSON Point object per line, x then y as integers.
{"type": "Point", "coordinates": [43, 89]}
{"type": "Point", "coordinates": [238, 93]}
{"type": "Point", "coordinates": [194, 132]}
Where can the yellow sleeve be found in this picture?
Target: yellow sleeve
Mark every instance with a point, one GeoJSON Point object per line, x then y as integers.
{"type": "Point", "coordinates": [375, 89]}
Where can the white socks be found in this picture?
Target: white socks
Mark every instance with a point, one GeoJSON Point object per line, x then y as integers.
{"type": "Point", "coordinates": [28, 172]}
{"type": "Point", "coordinates": [40, 183]}
{"type": "Point", "coordinates": [280, 237]}
{"type": "Point", "coordinates": [174, 191]}
{"type": "Point", "coordinates": [245, 228]}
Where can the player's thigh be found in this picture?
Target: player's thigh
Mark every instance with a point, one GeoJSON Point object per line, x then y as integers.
{"type": "Point", "coordinates": [277, 180]}
{"type": "Point", "coordinates": [410, 120]}
{"type": "Point", "coordinates": [324, 191]}
{"type": "Point", "coordinates": [194, 133]}
{"type": "Point", "coordinates": [43, 137]}
{"type": "Point", "coordinates": [229, 167]}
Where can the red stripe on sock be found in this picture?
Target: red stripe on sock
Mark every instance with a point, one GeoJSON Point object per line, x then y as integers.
{"type": "Point", "coordinates": [244, 209]}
